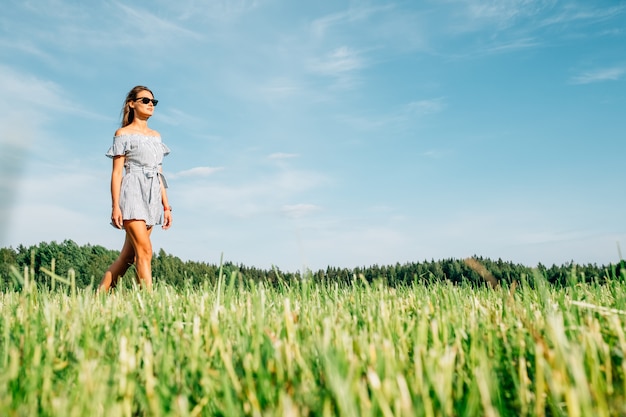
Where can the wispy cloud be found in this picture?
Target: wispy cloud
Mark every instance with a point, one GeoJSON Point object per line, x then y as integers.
{"type": "Point", "coordinates": [196, 172]}
{"type": "Point", "coordinates": [255, 196]}
{"type": "Point", "coordinates": [475, 15]}
{"type": "Point", "coordinates": [22, 88]}
{"type": "Point", "coordinates": [215, 10]}
{"type": "Point", "coordinates": [599, 75]}
{"type": "Point", "coordinates": [103, 27]}
{"type": "Point", "coordinates": [408, 113]}
{"type": "Point", "coordinates": [434, 153]}
{"type": "Point", "coordinates": [319, 27]}
{"type": "Point", "coordinates": [177, 117]}
{"type": "Point", "coordinates": [338, 62]}
{"type": "Point", "coordinates": [512, 25]}
{"type": "Point", "coordinates": [14, 143]}
{"type": "Point", "coordinates": [586, 12]}
{"type": "Point", "coordinates": [152, 26]}
{"type": "Point", "coordinates": [283, 155]}
{"type": "Point", "coordinates": [56, 9]}
{"type": "Point", "coordinates": [389, 29]}
{"type": "Point", "coordinates": [296, 211]}
{"type": "Point", "coordinates": [27, 47]}
{"type": "Point", "coordinates": [29, 103]}
{"type": "Point", "coordinates": [25, 93]}
{"type": "Point", "coordinates": [512, 45]}
{"type": "Point", "coordinates": [505, 11]}
{"type": "Point", "coordinates": [279, 88]}
{"type": "Point", "coordinates": [424, 107]}
{"type": "Point", "coordinates": [48, 210]}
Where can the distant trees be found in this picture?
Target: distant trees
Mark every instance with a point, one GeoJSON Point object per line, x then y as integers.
{"type": "Point", "coordinates": [7, 258]}
{"type": "Point", "coordinates": [90, 262]}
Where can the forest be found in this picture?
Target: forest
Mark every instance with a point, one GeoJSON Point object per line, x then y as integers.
{"type": "Point", "coordinates": [89, 262]}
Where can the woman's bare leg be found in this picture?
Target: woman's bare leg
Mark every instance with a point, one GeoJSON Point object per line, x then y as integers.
{"type": "Point", "coordinates": [139, 236]}
{"type": "Point", "coordinates": [119, 267]}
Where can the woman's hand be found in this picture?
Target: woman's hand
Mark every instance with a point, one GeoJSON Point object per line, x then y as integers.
{"type": "Point", "coordinates": [116, 217]}
{"type": "Point", "coordinates": [167, 219]}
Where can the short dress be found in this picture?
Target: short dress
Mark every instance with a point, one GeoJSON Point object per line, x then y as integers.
{"type": "Point", "coordinates": [140, 194]}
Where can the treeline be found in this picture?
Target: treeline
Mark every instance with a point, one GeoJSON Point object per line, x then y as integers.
{"type": "Point", "coordinates": [89, 263]}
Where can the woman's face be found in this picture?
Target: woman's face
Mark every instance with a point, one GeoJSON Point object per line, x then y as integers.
{"type": "Point", "coordinates": [143, 104]}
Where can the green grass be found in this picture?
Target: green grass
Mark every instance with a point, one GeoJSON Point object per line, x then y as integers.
{"type": "Point", "coordinates": [306, 349]}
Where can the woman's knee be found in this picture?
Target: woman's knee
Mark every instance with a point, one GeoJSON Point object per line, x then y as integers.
{"type": "Point", "coordinates": [139, 238]}
{"type": "Point", "coordinates": [143, 252]}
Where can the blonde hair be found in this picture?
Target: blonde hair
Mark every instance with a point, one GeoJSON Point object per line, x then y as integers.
{"type": "Point", "coordinates": [128, 114]}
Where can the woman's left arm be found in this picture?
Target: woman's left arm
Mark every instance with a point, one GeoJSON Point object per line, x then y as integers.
{"type": "Point", "coordinates": [167, 209]}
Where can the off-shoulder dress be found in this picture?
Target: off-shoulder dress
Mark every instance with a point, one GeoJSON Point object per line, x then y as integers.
{"type": "Point", "coordinates": [140, 194]}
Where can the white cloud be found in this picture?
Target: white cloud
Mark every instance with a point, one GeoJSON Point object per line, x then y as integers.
{"type": "Point", "coordinates": [26, 46]}
{"type": "Point", "coordinates": [599, 75]}
{"type": "Point", "coordinates": [18, 88]}
{"type": "Point", "coordinates": [499, 11]}
{"type": "Point", "coordinates": [154, 28]}
{"type": "Point", "coordinates": [62, 185]}
{"type": "Point", "coordinates": [407, 113]}
{"type": "Point", "coordinates": [24, 93]}
{"type": "Point", "coordinates": [56, 9]}
{"type": "Point", "coordinates": [57, 202]}
{"type": "Point", "coordinates": [299, 210]}
{"type": "Point", "coordinates": [434, 153]}
{"type": "Point", "coordinates": [512, 45]}
{"type": "Point", "coordinates": [478, 14]}
{"type": "Point", "coordinates": [573, 13]}
{"type": "Point", "coordinates": [176, 117]}
{"type": "Point", "coordinates": [338, 62]}
{"type": "Point", "coordinates": [365, 245]}
{"type": "Point", "coordinates": [283, 155]}
{"type": "Point", "coordinates": [259, 195]}
{"type": "Point", "coordinates": [321, 26]}
{"type": "Point", "coordinates": [104, 27]}
{"type": "Point", "coordinates": [215, 10]}
{"type": "Point", "coordinates": [424, 107]}
{"type": "Point", "coordinates": [28, 105]}
{"type": "Point", "coordinates": [196, 172]}
{"type": "Point", "coordinates": [510, 25]}
{"type": "Point", "coordinates": [280, 88]}
{"type": "Point", "coordinates": [388, 29]}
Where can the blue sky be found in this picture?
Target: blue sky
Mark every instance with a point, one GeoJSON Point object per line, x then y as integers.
{"type": "Point", "coordinates": [343, 133]}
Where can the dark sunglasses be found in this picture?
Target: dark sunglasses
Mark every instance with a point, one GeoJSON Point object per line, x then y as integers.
{"type": "Point", "coordinates": [146, 100]}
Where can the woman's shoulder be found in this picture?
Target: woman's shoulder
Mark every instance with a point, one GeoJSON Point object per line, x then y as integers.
{"type": "Point", "coordinates": [125, 131]}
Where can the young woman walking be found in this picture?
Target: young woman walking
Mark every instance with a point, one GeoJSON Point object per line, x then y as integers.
{"type": "Point", "coordinates": [138, 186]}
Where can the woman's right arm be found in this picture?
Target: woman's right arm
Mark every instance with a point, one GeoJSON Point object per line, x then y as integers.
{"type": "Point", "coordinates": [116, 185]}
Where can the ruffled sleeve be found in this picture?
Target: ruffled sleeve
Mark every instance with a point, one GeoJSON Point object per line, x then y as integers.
{"type": "Point", "coordinates": [119, 147]}
{"type": "Point", "coordinates": [166, 150]}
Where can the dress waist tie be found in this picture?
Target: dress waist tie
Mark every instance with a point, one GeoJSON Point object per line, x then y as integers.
{"type": "Point", "coordinates": [150, 172]}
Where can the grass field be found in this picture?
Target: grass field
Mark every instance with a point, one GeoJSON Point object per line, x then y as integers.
{"type": "Point", "coordinates": [308, 349]}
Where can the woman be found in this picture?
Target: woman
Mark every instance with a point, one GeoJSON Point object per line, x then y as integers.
{"type": "Point", "coordinates": [137, 188]}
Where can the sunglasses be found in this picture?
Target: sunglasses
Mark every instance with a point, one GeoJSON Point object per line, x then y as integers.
{"type": "Point", "coordinates": [146, 100]}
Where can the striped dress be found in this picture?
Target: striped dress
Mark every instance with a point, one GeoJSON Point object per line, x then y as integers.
{"type": "Point", "coordinates": [140, 195]}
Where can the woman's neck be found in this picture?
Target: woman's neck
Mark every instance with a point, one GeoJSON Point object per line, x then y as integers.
{"type": "Point", "coordinates": [140, 125]}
